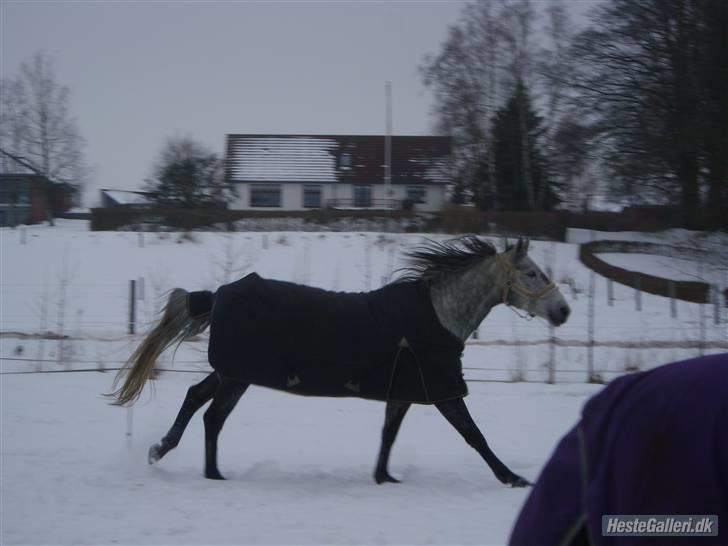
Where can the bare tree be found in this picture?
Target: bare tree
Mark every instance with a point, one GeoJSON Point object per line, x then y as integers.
{"type": "Point", "coordinates": [36, 123]}
{"type": "Point", "coordinates": [457, 79]}
{"type": "Point", "coordinates": [639, 75]}
{"type": "Point", "coordinates": [555, 61]}
{"type": "Point", "coordinates": [568, 136]}
{"type": "Point", "coordinates": [11, 121]}
{"type": "Point", "coordinates": [466, 77]}
{"type": "Point", "coordinates": [570, 152]}
{"type": "Point", "coordinates": [713, 80]}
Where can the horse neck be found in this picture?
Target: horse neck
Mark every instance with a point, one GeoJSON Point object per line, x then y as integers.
{"type": "Point", "coordinates": [462, 300]}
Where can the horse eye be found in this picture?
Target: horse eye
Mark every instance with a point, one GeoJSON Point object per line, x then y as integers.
{"type": "Point", "coordinates": [531, 274]}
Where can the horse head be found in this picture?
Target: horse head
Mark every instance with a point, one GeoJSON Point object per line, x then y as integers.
{"type": "Point", "coordinates": [527, 287]}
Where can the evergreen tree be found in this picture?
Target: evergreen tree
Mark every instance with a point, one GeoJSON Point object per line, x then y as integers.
{"type": "Point", "coordinates": [511, 181]}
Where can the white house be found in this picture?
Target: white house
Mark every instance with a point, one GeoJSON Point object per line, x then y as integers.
{"type": "Point", "coordinates": [299, 172]}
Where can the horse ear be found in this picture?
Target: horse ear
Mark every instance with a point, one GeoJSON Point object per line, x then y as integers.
{"type": "Point", "coordinates": [521, 249]}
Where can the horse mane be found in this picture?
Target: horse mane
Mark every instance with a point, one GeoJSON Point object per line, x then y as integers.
{"type": "Point", "coordinates": [432, 260]}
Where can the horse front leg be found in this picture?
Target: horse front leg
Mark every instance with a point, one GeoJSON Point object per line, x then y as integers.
{"type": "Point", "coordinates": [394, 414]}
{"type": "Point", "coordinates": [197, 396]}
{"type": "Point", "coordinates": [456, 412]}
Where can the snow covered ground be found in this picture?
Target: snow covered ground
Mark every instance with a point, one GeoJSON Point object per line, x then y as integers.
{"type": "Point", "coordinates": [299, 469]}
{"type": "Point", "coordinates": [676, 268]}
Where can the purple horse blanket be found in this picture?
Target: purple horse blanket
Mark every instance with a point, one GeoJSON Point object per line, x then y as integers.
{"type": "Point", "coordinates": [650, 443]}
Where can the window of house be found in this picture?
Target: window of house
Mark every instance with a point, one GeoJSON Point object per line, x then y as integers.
{"type": "Point", "coordinates": [15, 192]}
{"type": "Point", "coordinates": [312, 196]}
{"type": "Point", "coordinates": [363, 196]}
{"type": "Point", "coordinates": [417, 194]}
{"type": "Point", "coordinates": [265, 196]}
{"type": "Point", "coordinates": [23, 197]}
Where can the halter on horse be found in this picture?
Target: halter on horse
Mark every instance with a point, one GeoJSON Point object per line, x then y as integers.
{"type": "Point", "coordinates": [400, 344]}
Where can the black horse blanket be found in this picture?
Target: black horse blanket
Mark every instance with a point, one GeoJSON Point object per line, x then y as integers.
{"type": "Point", "coordinates": [387, 344]}
{"type": "Point", "coordinates": [650, 443]}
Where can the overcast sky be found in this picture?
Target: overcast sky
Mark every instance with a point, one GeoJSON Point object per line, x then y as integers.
{"type": "Point", "coordinates": [140, 72]}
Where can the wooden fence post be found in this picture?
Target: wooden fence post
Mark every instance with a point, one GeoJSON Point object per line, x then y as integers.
{"type": "Point", "coordinates": [590, 328]}
{"type": "Point", "coordinates": [716, 304]}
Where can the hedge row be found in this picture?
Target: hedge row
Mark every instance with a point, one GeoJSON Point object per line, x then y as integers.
{"type": "Point", "coordinates": [452, 219]}
{"type": "Point", "coordinates": [553, 225]}
{"type": "Point", "coordinates": [110, 219]}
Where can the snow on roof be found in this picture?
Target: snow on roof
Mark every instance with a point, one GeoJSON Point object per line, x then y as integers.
{"type": "Point", "coordinates": [352, 159]}
{"type": "Point", "coordinates": [291, 159]}
{"type": "Point", "coordinates": [435, 170]}
{"type": "Point", "coordinates": [123, 197]}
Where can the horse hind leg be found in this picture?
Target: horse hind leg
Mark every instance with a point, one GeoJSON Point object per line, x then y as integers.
{"type": "Point", "coordinates": [394, 415]}
{"type": "Point", "coordinates": [197, 396]}
{"type": "Point", "coordinates": [225, 400]}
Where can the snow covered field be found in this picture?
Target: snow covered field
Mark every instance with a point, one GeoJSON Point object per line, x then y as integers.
{"type": "Point", "coordinates": [299, 469]}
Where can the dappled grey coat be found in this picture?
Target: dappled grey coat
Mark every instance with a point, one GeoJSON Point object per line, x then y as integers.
{"type": "Point", "coordinates": [387, 344]}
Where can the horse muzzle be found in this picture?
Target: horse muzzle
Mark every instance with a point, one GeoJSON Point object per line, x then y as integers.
{"type": "Point", "coordinates": [560, 315]}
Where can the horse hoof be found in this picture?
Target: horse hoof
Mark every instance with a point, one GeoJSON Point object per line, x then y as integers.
{"type": "Point", "coordinates": [517, 481]}
{"type": "Point", "coordinates": [384, 477]}
{"type": "Point", "coordinates": [155, 453]}
{"type": "Point", "coordinates": [214, 475]}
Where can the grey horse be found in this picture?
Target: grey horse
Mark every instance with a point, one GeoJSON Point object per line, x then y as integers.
{"type": "Point", "coordinates": [400, 344]}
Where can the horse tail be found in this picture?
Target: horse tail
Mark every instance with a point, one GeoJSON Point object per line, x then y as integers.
{"type": "Point", "coordinates": [186, 315]}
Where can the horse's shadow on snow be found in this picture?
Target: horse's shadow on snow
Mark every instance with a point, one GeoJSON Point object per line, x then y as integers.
{"type": "Point", "coordinates": [272, 476]}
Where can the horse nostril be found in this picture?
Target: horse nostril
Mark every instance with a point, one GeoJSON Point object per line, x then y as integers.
{"type": "Point", "coordinates": [565, 311]}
